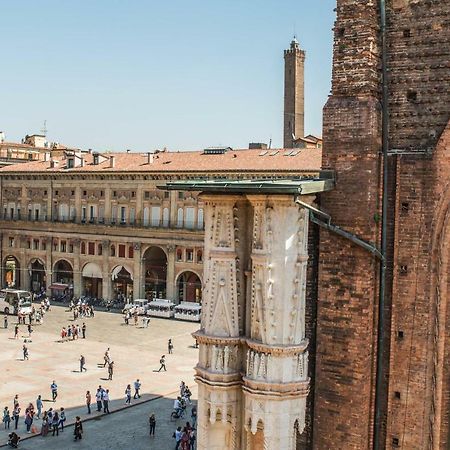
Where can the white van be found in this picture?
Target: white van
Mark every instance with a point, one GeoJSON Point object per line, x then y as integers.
{"type": "Point", "coordinates": [13, 301]}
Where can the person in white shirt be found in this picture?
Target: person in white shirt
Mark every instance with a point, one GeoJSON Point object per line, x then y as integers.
{"type": "Point", "coordinates": [106, 401]}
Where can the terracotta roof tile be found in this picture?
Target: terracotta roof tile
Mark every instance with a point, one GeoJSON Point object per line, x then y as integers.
{"type": "Point", "coordinates": [232, 161]}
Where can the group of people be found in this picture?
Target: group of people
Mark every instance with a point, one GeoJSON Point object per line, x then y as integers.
{"type": "Point", "coordinates": [73, 332]}
{"type": "Point", "coordinates": [81, 309]}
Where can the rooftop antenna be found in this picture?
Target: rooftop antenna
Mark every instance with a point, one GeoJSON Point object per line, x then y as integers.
{"type": "Point", "coordinates": [270, 143]}
{"type": "Point", "coordinates": [44, 128]}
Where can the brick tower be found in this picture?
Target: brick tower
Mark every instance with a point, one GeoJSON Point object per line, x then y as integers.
{"type": "Point", "coordinates": [294, 94]}
{"type": "Point", "coordinates": [414, 394]}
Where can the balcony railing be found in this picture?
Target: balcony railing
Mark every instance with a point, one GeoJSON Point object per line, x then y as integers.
{"type": "Point", "coordinates": [186, 225]}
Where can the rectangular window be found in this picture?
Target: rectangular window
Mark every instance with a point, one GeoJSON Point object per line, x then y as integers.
{"type": "Point", "coordinates": [19, 215]}
{"type": "Point", "coordinates": [189, 254]}
{"type": "Point", "coordinates": [133, 194]}
{"type": "Point", "coordinates": [63, 246]}
{"type": "Point", "coordinates": [11, 213]}
{"type": "Point", "coordinates": [123, 214]}
{"type": "Point", "coordinates": [70, 163]}
{"type": "Point", "coordinates": [83, 213]}
{"type": "Point", "coordinates": [91, 248]}
{"type": "Point", "coordinates": [155, 216]}
{"type": "Point", "coordinates": [132, 215]}
{"type": "Point", "coordinates": [30, 214]}
{"type": "Point", "coordinates": [36, 214]}
{"type": "Point", "coordinates": [146, 195]}
{"type": "Point", "coordinates": [11, 242]}
{"type": "Point", "coordinates": [35, 244]}
{"type": "Point", "coordinates": [166, 194]}
{"type": "Point", "coordinates": [180, 195]}
{"type": "Point", "coordinates": [70, 248]}
{"type": "Point", "coordinates": [122, 251]}
{"type": "Point", "coordinates": [114, 214]}
{"type": "Point", "coordinates": [55, 246]}
{"type": "Point", "coordinates": [189, 220]}
{"type": "Point", "coordinates": [29, 244]}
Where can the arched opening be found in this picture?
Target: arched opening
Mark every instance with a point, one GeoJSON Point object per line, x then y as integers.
{"type": "Point", "coordinates": [63, 272]}
{"type": "Point", "coordinates": [92, 280]}
{"type": "Point", "coordinates": [12, 272]}
{"type": "Point", "coordinates": [189, 287]}
{"type": "Point", "coordinates": [122, 283]}
{"type": "Point", "coordinates": [155, 269]}
{"type": "Point", "coordinates": [38, 281]}
{"type": "Point", "coordinates": [256, 440]}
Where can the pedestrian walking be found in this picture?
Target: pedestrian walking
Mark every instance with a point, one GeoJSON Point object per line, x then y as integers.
{"type": "Point", "coordinates": [16, 415]}
{"type": "Point", "coordinates": [83, 330]}
{"type": "Point", "coordinates": [55, 423]}
{"type": "Point", "coordinates": [162, 361]}
{"type": "Point", "coordinates": [110, 370]}
{"type": "Point", "coordinates": [5, 322]}
{"type": "Point", "coordinates": [106, 401]}
{"type": "Point", "coordinates": [88, 401]}
{"type": "Point", "coordinates": [25, 352]}
{"type": "Point", "coordinates": [78, 429]}
{"type": "Point", "coordinates": [152, 424]}
{"type": "Point", "coordinates": [182, 388]}
{"type": "Point", "coordinates": [6, 418]}
{"type": "Point", "coordinates": [98, 398]}
{"type": "Point", "coordinates": [106, 358]}
{"type": "Point", "coordinates": [39, 405]}
{"type": "Point", "coordinates": [185, 439]}
{"type": "Point", "coordinates": [82, 363]}
{"type": "Point", "coordinates": [16, 331]}
{"type": "Point", "coordinates": [54, 389]}
{"type": "Point", "coordinates": [128, 395]}
{"type": "Point", "coordinates": [62, 418]}
{"type": "Point", "coordinates": [16, 400]}
{"type": "Point", "coordinates": [192, 439]}
{"type": "Point", "coordinates": [170, 346]}
{"type": "Point", "coordinates": [30, 330]}
{"type": "Point", "coordinates": [137, 387]}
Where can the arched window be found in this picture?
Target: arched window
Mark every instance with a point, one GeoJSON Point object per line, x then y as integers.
{"type": "Point", "coordinates": [180, 218]}
{"type": "Point", "coordinates": [165, 223]}
{"type": "Point", "coordinates": [200, 219]}
{"type": "Point", "coordinates": [113, 250]}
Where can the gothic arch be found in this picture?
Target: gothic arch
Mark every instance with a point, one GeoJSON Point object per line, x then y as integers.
{"type": "Point", "coordinates": [11, 271]}
{"type": "Point", "coordinates": [63, 271]}
{"type": "Point", "coordinates": [439, 421]}
{"type": "Point", "coordinates": [189, 286]}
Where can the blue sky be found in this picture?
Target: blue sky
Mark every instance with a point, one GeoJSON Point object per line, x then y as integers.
{"type": "Point", "coordinates": [141, 75]}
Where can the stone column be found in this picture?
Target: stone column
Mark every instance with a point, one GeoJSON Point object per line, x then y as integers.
{"type": "Point", "coordinates": [77, 275]}
{"type": "Point", "coordinates": [106, 281]}
{"type": "Point", "coordinates": [170, 276]}
{"type": "Point", "coordinates": [218, 370]}
{"type": "Point", "coordinates": [276, 382]}
{"type": "Point", "coordinates": [78, 204]}
{"type": "Point", "coordinates": [137, 272]}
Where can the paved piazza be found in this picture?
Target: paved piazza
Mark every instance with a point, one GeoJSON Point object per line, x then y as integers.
{"type": "Point", "coordinates": [135, 351]}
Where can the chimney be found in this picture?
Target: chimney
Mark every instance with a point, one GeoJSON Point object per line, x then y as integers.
{"type": "Point", "coordinates": [149, 158]}
{"type": "Point", "coordinates": [112, 161]}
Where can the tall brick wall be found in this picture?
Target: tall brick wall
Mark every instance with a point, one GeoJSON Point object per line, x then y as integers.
{"type": "Point", "coordinates": [416, 401]}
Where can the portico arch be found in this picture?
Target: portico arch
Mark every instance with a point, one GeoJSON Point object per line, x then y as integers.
{"type": "Point", "coordinates": [92, 280]}
{"type": "Point", "coordinates": [12, 272]}
{"type": "Point", "coordinates": [122, 282]}
{"type": "Point", "coordinates": [38, 279]}
{"type": "Point", "coordinates": [189, 287]}
{"type": "Point", "coordinates": [63, 272]}
{"type": "Point", "coordinates": [154, 261]}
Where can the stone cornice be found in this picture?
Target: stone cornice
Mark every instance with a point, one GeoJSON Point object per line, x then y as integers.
{"type": "Point", "coordinates": [280, 390]}
{"type": "Point", "coordinates": [217, 382]}
{"type": "Point", "coordinates": [203, 338]}
{"type": "Point", "coordinates": [276, 350]}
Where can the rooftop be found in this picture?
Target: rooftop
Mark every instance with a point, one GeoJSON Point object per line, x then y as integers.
{"type": "Point", "coordinates": [267, 160]}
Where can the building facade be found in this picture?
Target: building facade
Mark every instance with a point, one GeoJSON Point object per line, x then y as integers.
{"type": "Point", "coordinates": [97, 224]}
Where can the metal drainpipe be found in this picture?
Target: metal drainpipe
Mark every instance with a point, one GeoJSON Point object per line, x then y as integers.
{"type": "Point", "coordinates": [380, 388]}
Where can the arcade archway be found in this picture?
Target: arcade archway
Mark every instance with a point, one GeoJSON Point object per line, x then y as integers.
{"type": "Point", "coordinates": [63, 272]}
{"type": "Point", "coordinates": [38, 280]}
{"type": "Point", "coordinates": [155, 272]}
{"type": "Point", "coordinates": [189, 287]}
{"type": "Point", "coordinates": [12, 272]}
{"type": "Point", "coordinates": [92, 280]}
{"type": "Point", "coordinates": [122, 283]}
